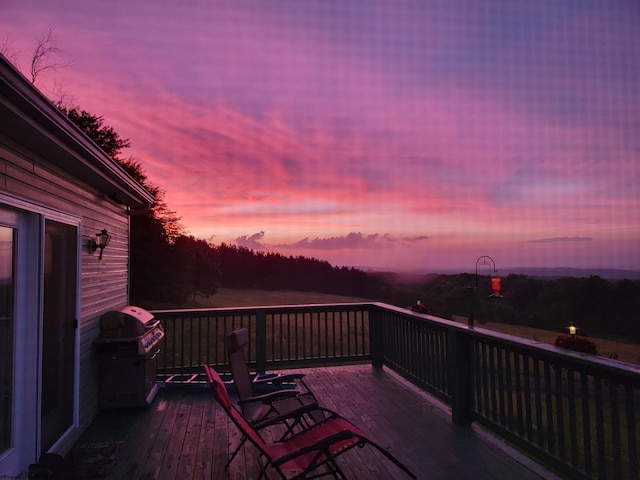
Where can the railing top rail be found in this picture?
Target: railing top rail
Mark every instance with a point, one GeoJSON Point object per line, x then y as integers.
{"type": "Point", "coordinates": [268, 308]}
{"type": "Point", "coordinates": [562, 355]}
{"type": "Point", "coordinates": [558, 352]}
{"type": "Point", "coordinates": [417, 315]}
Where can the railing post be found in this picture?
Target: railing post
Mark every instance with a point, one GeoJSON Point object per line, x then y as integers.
{"type": "Point", "coordinates": [461, 376]}
{"type": "Point", "coordinates": [261, 341]}
{"type": "Point", "coordinates": [376, 342]}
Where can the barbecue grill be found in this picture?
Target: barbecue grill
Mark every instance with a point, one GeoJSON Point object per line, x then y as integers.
{"type": "Point", "coordinates": [127, 349]}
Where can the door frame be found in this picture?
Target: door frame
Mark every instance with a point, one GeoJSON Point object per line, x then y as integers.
{"type": "Point", "coordinates": [76, 333]}
{"type": "Point", "coordinates": [28, 333]}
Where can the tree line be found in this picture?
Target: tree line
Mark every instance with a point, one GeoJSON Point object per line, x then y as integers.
{"type": "Point", "coordinates": [599, 307]}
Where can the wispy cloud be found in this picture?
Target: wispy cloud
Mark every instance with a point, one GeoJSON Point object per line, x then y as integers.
{"type": "Point", "coordinates": [251, 241]}
{"type": "Point", "coordinates": [353, 240]}
{"type": "Point", "coordinates": [562, 240]}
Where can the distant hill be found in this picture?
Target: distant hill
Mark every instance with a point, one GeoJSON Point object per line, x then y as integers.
{"type": "Point", "coordinates": [550, 273]}
{"type": "Point", "coordinates": [562, 272]}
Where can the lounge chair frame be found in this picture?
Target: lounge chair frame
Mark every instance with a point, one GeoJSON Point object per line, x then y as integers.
{"type": "Point", "coordinates": [302, 453]}
{"type": "Point", "coordinates": [295, 408]}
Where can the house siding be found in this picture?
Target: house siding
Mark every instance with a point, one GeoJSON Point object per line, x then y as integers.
{"type": "Point", "coordinates": [103, 284]}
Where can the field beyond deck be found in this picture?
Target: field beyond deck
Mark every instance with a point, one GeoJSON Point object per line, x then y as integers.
{"type": "Point", "coordinates": [185, 435]}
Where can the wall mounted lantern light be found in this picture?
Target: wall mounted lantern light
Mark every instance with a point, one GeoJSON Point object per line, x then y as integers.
{"type": "Point", "coordinates": [573, 330]}
{"type": "Point", "coordinates": [101, 242]}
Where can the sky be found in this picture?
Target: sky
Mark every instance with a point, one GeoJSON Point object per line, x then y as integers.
{"type": "Point", "coordinates": [409, 134]}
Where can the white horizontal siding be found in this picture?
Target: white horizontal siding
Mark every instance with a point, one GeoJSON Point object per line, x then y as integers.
{"type": "Point", "coordinates": [103, 284]}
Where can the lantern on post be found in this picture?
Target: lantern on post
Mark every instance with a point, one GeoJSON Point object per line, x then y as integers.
{"type": "Point", "coordinates": [495, 286]}
{"type": "Point", "coordinates": [573, 330]}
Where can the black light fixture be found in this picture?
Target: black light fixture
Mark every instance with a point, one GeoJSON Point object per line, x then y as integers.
{"type": "Point", "coordinates": [573, 330]}
{"type": "Point", "coordinates": [101, 242]}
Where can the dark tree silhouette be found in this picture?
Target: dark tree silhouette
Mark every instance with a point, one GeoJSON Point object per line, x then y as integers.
{"type": "Point", "coordinates": [598, 306]}
{"type": "Point", "coordinates": [196, 267]}
{"type": "Point", "coordinates": [156, 261]}
{"type": "Point", "coordinates": [47, 55]}
{"type": "Point", "coordinates": [103, 135]}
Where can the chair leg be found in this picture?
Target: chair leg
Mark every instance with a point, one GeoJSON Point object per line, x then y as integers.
{"type": "Point", "coordinates": [330, 464]}
{"type": "Point", "coordinates": [333, 469]}
{"type": "Point", "coordinates": [235, 452]}
{"type": "Point", "coordinates": [264, 464]}
{"type": "Point", "coordinates": [291, 427]}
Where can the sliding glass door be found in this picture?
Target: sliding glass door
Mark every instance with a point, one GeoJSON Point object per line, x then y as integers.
{"type": "Point", "coordinates": [58, 331]}
{"type": "Point", "coordinates": [7, 292]}
{"type": "Point", "coordinates": [38, 334]}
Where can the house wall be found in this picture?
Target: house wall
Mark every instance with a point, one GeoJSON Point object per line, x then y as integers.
{"type": "Point", "coordinates": [103, 284]}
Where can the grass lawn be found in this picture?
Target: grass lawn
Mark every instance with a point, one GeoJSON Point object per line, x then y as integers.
{"type": "Point", "coordinates": [229, 297]}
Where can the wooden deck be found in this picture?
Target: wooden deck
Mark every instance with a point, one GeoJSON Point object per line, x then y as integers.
{"type": "Point", "coordinates": [185, 435]}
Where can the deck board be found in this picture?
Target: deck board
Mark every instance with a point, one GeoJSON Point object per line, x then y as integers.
{"type": "Point", "coordinates": [185, 435]}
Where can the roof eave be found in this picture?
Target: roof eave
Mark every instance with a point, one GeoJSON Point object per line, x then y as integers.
{"type": "Point", "coordinates": [26, 113]}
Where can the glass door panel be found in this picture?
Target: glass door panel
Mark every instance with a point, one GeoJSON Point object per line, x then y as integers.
{"type": "Point", "coordinates": [58, 331]}
{"type": "Point", "coordinates": [19, 333]}
{"type": "Point", "coordinates": [7, 289]}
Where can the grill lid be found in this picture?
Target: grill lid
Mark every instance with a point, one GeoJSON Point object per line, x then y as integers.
{"type": "Point", "coordinates": [129, 321]}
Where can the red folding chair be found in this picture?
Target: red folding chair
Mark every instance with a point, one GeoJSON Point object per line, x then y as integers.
{"type": "Point", "coordinates": [304, 454]}
{"type": "Point", "coordinates": [288, 390]}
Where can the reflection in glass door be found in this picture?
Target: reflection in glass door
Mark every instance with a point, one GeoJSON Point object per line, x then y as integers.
{"type": "Point", "coordinates": [7, 289]}
{"type": "Point", "coordinates": [59, 332]}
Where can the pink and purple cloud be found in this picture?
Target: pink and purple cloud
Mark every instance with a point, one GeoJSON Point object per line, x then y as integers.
{"type": "Point", "coordinates": [419, 134]}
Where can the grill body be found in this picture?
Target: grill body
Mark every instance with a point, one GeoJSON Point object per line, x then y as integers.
{"type": "Point", "coordinates": [127, 350]}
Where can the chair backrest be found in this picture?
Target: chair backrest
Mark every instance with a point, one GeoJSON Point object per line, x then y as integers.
{"type": "Point", "coordinates": [236, 342]}
{"type": "Point", "coordinates": [222, 397]}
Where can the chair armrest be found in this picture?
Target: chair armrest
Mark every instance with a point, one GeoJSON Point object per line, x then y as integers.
{"type": "Point", "coordinates": [277, 378]}
{"type": "Point", "coordinates": [292, 414]}
{"type": "Point", "coordinates": [271, 396]}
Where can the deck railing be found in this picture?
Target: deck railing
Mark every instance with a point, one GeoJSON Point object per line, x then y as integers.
{"type": "Point", "coordinates": [576, 413]}
{"type": "Point", "coordinates": [279, 337]}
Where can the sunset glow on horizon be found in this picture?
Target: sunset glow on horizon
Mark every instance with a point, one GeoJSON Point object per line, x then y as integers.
{"type": "Point", "coordinates": [401, 135]}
